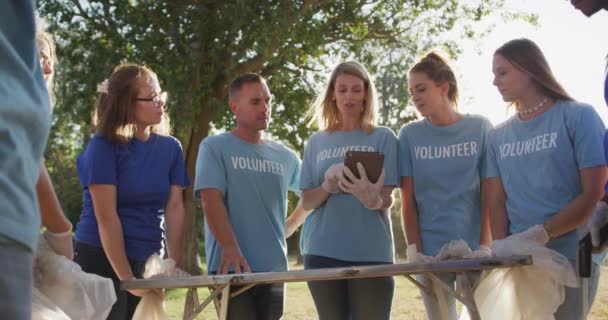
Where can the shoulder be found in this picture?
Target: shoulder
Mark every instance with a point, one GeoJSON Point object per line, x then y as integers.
{"type": "Point", "coordinates": [505, 125]}
{"type": "Point", "coordinates": [476, 118]}
{"type": "Point", "coordinates": [170, 141]}
{"type": "Point", "coordinates": [575, 107]}
{"type": "Point", "coordinates": [384, 131]}
{"type": "Point", "coordinates": [281, 148]}
{"type": "Point", "coordinates": [411, 126]}
{"type": "Point", "coordinates": [216, 140]}
{"type": "Point", "coordinates": [100, 143]}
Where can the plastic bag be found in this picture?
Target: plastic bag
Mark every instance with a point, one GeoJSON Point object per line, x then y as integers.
{"type": "Point", "coordinates": [77, 294]}
{"type": "Point", "coordinates": [44, 309]}
{"type": "Point", "coordinates": [151, 306]}
{"type": "Point", "coordinates": [528, 292]}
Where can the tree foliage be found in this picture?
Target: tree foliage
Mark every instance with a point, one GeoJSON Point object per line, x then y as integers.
{"type": "Point", "coordinates": [197, 47]}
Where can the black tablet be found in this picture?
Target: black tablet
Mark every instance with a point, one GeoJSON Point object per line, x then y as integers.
{"type": "Point", "coordinates": [371, 161]}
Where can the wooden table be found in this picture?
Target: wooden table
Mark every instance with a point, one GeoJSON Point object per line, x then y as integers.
{"type": "Point", "coordinates": [220, 285]}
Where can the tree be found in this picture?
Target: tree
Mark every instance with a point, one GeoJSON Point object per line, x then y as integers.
{"type": "Point", "coordinates": [198, 47]}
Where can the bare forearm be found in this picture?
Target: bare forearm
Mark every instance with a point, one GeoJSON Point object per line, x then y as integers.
{"type": "Point", "coordinates": [579, 210]}
{"type": "Point", "coordinates": [314, 198]}
{"type": "Point", "coordinates": [51, 213]}
{"type": "Point", "coordinates": [112, 240]}
{"type": "Point", "coordinates": [175, 227]}
{"type": "Point", "coordinates": [485, 237]}
{"type": "Point", "coordinates": [573, 215]}
{"type": "Point", "coordinates": [296, 218]}
{"type": "Point", "coordinates": [387, 198]}
{"type": "Point", "coordinates": [217, 220]}
{"type": "Point", "coordinates": [410, 228]}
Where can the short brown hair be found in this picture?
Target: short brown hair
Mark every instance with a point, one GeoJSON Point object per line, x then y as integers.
{"type": "Point", "coordinates": [114, 112]}
{"type": "Point", "coordinates": [237, 84]}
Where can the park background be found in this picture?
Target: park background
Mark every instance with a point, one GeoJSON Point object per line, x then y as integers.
{"type": "Point", "coordinates": [198, 47]}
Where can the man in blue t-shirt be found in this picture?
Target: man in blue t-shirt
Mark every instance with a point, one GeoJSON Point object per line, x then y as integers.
{"type": "Point", "coordinates": [242, 181]}
{"type": "Point", "coordinates": [24, 127]}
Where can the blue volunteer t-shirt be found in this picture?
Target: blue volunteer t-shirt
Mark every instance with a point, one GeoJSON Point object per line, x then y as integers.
{"type": "Point", "coordinates": [143, 172]}
{"type": "Point", "coordinates": [342, 228]}
{"type": "Point", "coordinates": [447, 164]}
{"type": "Point", "coordinates": [254, 180]}
{"type": "Point", "coordinates": [538, 161]}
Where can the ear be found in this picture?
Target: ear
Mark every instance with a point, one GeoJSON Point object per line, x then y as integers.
{"type": "Point", "coordinates": [445, 87]}
{"type": "Point", "coordinates": [233, 106]}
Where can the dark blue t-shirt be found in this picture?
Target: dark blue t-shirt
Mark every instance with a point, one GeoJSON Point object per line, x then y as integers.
{"type": "Point", "coordinates": [142, 172]}
{"type": "Point", "coordinates": [606, 135]}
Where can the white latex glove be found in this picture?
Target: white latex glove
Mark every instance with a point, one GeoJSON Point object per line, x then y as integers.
{"type": "Point", "coordinates": [330, 184]}
{"type": "Point", "coordinates": [536, 233]}
{"type": "Point", "coordinates": [483, 252]}
{"type": "Point", "coordinates": [367, 192]}
{"type": "Point", "coordinates": [61, 243]}
{"type": "Point", "coordinates": [413, 256]}
{"type": "Point", "coordinates": [597, 221]}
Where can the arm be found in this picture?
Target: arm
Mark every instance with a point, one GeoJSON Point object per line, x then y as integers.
{"type": "Point", "coordinates": [387, 197]}
{"type": "Point", "coordinates": [216, 217]}
{"type": "Point", "coordinates": [295, 219]}
{"type": "Point", "coordinates": [50, 211]}
{"type": "Point", "coordinates": [313, 198]}
{"type": "Point", "coordinates": [579, 210]}
{"type": "Point", "coordinates": [485, 237]}
{"type": "Point", "coordinates": [174, 214]}
{"type": "Point", "coordinates": [110, 231]}
{"type": "Point", "coordinates": [494, 197]}
{"type": "Point", "coordinates": [409, 213]}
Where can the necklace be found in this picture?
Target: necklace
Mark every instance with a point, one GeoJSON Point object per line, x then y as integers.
{"type": "Point", "coordinates": [533, 109]}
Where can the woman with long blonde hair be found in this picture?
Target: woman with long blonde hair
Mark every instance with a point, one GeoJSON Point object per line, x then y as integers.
{"type": "Point", "coordinates": [350, 223]}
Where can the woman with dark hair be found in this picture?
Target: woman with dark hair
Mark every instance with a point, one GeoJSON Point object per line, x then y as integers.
{"type": "Point", "coordinates": [442, 168]}
{"type": "Point", "coordinates": [548, 163]}
{"type": "Point", "coordinates": [133, 174]}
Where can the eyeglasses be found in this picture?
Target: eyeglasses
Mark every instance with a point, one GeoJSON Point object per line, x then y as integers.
{"type": "Point", "coordinates": [157, 99]}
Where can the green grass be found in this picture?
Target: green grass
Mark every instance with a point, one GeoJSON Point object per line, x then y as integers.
{"type": "Point", "coordinates": [407, 303]}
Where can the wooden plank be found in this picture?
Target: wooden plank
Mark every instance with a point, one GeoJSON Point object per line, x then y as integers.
{"type": "Point", "coordinates": [329, 273]}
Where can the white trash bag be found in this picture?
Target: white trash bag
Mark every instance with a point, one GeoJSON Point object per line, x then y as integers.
{"type": "Point", "coordinates": [527, 292]}
{"type": "Point", "coordinates": [62, 283]}
{"type": "Point", "coordinates": [44, 309]}
{"type": "Point", "coordinates": [151, 306]}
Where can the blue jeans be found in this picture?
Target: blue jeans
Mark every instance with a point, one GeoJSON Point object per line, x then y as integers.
{"type": "Point", "coordinates": [261, 302]}
{"type": "Point", "coordinates": [573, 304]}
{"type": "Point", "coordinates": [430, 302]}
{"type": "Point", "coordinates": [15, 280]}
{"type": "Point", "coordinates": [354, 299]}
{"type": "Point", "coordinates": [593, 283]}
{"type": "Point", "coordinates": [93, 260]}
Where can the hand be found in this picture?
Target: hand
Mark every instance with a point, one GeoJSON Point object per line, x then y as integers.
{"type": "Point", "coordinates": [482, 252]}
{"type": "Point", "coordinates": [142, 292]}
{"type": "Point", "coordinates": [330, 184]}
{"type": "Point", "coordinates": [368, 193]}
{"type": "Point", "coordinates": [536, 233]}
{"type": "Point", "coordinates": [413, 256]}
{"type": "Point", "coordinates": [291, 225]}
{"type": "Point", "coordinates": [61, 243]}
{"type": "Point", "coordinates": [597, 221]}
{"type": "Point", "coordinates": [232, 257]}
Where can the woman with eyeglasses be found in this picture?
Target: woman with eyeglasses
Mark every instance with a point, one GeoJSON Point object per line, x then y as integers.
{"type": "Point", "coordinates": [132, 173]}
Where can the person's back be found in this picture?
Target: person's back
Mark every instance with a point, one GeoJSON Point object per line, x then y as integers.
{"type": "Point", "coordinates": [24, 127]}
